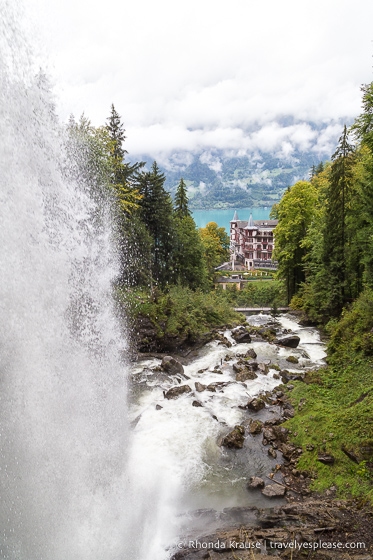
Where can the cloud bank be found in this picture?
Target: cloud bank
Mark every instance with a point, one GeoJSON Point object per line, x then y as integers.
{"type": "Point", "coordinates": [200, 75]}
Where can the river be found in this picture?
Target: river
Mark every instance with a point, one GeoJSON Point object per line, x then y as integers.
{"type": "Point", "coordinates": [176, 442]}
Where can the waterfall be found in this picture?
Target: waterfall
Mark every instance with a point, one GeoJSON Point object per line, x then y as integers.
{"type": "Point", "coordinates": [64, 436]}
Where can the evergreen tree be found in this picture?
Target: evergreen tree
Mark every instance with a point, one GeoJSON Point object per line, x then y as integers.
{"type": "Point", "coordinates": [335, 232]}
{"type": "Point", "coordinates": [122, 173]}
{"type": "Point", "coordinates": [156, 211]}
{"type": "Point", "coordinates": [363, 131]}
{"type": "Point", "coordinates": [181, 200]}
{"type": "Point", "coordinates": [116, 132]}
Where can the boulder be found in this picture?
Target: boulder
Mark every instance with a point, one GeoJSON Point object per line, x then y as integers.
{"type": "Point", "coordinates": [326, 459]}
{"type": "Point", "coordinates": [263, 368]}
{"type": "Point", "coordinates": [171, 366]}
{"type": "Point", "coordinates": [223, 340]}
{"type": "Point", "coordinates": [255, 404]}
{"type": "Point", "coordinates": [197, 403]}
{"type": "Point", "coordinates": [272, 453]}
{"type": "Point", "coordinates": [274, 491]}
{"type": "Point", "coordinates": [235, 438]}
{"type": "Point", "coordinates": [291, 341]}
{"type": "Point", "coordinates": [287, 450]}
{"type": "Point", "coordinates": [199, 387]}
{"type": "Point", "coordinates": [268, 434]}
{"type": "Point", "coordinates": [245, 374]}
{"type": "Point", "coordinates": [175, 392]}
{"type": "Point", "coordinates": [255, 426]}
{"type": "Point", "coordinates": [252, 364]}
{"type": "Point", "coordinates": [158, 407]}
{"type": "Point", "coordinates": [251, 354]}
{"type": "Point", "coordinates": [292, 360]}
{"type": "Point", "coordinates": [281, 433]}
{"type": "Point", "coordinates": [255, 482]}
{"type": "Point", "coordinates": [241, 335]}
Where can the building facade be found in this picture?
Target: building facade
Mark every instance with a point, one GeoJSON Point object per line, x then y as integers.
{"type": "Point", "coordinates": [252, 243]}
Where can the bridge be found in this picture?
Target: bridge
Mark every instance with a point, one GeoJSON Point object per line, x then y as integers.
{"type": "Point", "coordinates": [261, 309]}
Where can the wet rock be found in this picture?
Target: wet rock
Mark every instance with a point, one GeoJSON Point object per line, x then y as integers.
{"type": "Point", "coordinates": [223, 340]}
{"type": "Point", "coordinates": [292, 360]}
{"type": "Point", "coordinates": [175, 392]}
{"type": "Point", "coordinates": [235, 438]}
{"type": "Point", "coordinates": [286, 377]}
{"type": "Point", "coordinates": [281, 433]}
{"type": "Point", "coordinates": [252, 364]}
{"type": "Point", "coordinates": [272, 453]}
{"type": "Point", "coordinates": [245, 374]}
{"type": "Point", "coordinates": [274, 491]}
{"type": "Point", "coordinates": [291, 341]}
{"type": "Point", "coordinates": [241, 335]}
{"type": "Point", "coordinates": [251, 354]}
{"type": "Point", "coordinates": [287, 450]}
{"type": "Point", "coordinates": [158, 407]}
{"type": "Point", "coordinates": [199, 387]}
{"type": "Point", "coordinates": [268, 434]}
{"type": "Point", "coordinates": [263, 368]}
{"type": "Point", "coordinates": [255, 426]}
{"type": "Point", "coordinates": [326, 459]}
{"type": "Point", "coordinates": [255, 482]}
{"type": "Point", "coordinates": [171, 366]}
{"type": "Point", "coordinates": [256, 404]}
{"type": "Point", "coordinates": [196, 403]}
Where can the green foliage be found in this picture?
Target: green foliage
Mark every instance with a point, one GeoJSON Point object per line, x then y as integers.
{"type": "Point", "coordinates": [189, 254]}
{"type": "Point", "coordinates": [295, 212]}
{"type": "Point", "coordinates": [180, 311]}
{"type": "Point", "coordinates": [266, 293]}
{"type": "Point", "coordinates": [216, 245]}
{"type": "Point", "coordinates": [354, 331]}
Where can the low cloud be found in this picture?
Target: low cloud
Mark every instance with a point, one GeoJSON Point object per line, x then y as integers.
{"type": "Point", "coordinates": [243, 77]}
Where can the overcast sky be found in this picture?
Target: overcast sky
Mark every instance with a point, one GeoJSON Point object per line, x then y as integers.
{"type": "Point", "coordinates": [205, 74]}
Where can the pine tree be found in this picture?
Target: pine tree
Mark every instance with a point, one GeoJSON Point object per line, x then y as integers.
{"type": "Point", "coordinates": [181, 200]}
{"type": "Point", "coordinates": [122, 174]}
{"type": "Point", "coordinates": [335, 233]}
{"type": "Point", "coordinates": [157, 214]}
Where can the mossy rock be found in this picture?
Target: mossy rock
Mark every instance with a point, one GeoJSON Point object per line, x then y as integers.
{"type": "Point", "coordinates": [292, 360]}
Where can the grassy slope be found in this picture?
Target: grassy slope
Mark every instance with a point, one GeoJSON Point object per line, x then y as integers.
{"type": "Point", "coordinates": [335, 408]}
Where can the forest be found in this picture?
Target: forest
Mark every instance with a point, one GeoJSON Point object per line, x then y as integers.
{"type": "Point", "coordinates": [324, 246]}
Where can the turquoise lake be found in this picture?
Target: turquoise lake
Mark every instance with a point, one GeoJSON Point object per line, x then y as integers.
{"type": "Point", "coordinates": [223, 217]}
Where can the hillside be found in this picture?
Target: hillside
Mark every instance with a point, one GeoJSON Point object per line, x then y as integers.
{"type": "Point", "coordinates": [217, 181]}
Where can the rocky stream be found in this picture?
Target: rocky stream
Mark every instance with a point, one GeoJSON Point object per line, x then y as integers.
{"type": "Point", "coordinates": [213, 420]}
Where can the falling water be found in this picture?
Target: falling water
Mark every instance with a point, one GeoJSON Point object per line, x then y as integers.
{"type": "Point", "coordinates": [64, 482]}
